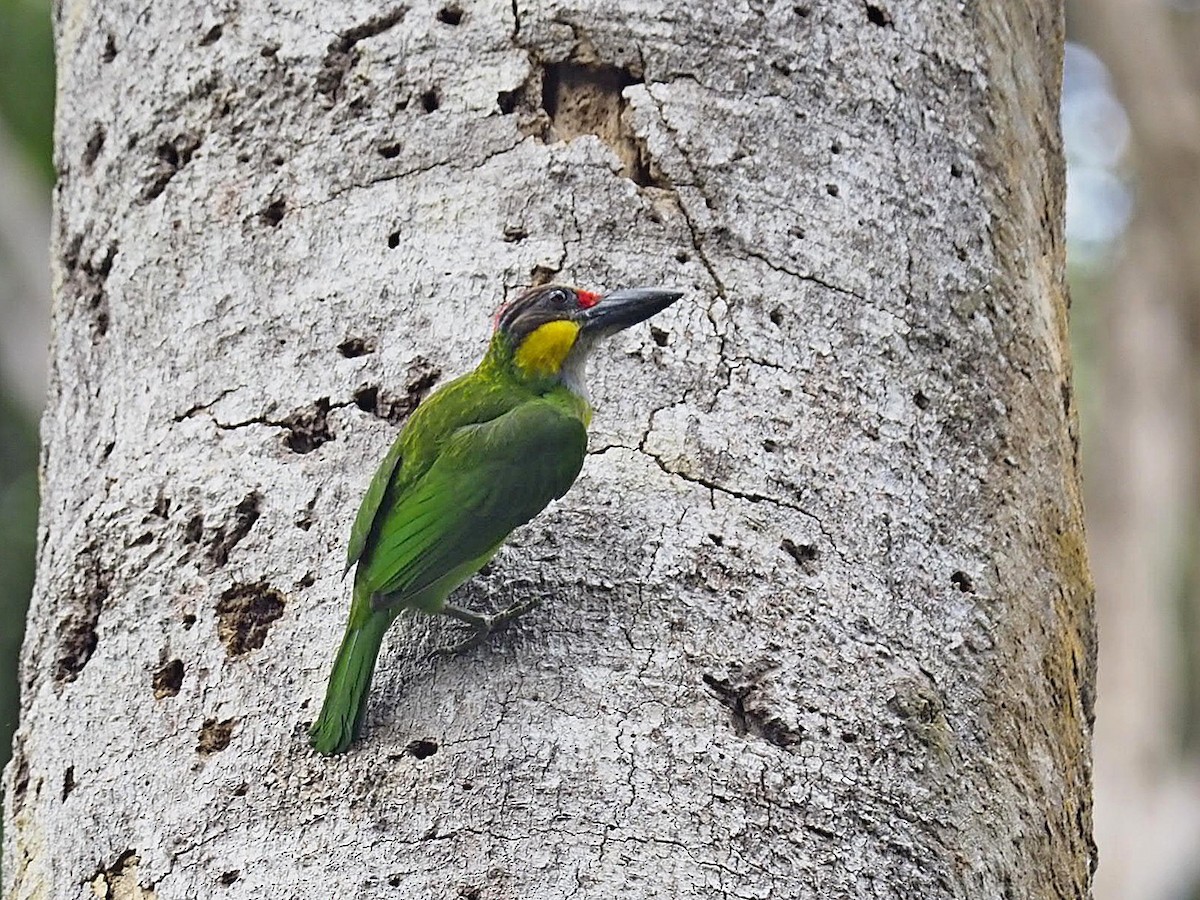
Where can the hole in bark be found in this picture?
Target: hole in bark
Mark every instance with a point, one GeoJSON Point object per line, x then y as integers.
{"type": "Point", "coordinates": [169, 157]}
{"type": "Point", "coordinates": [586, 98]}
{"type": "Point", "coordinates": [430, 100]}
{"type": "Point", "coordinates": [659, 336]}
{"type": "Point", "coordinates": [956, 170]}
{"type": "Point", "coordinates": [109, 53]}
{"type": "Point", "coordinates": [802, 11]}
{"type": "Point", "coordinates": [268, 50]}
{"type": "Point", "coordinates": [188, 620]}
{"type": "Point", "coordinates": [245, 613]}
{"type": "Point", "coordinates": [94, 145]}
{"type": "Point", "coordinates": [541, 274]}
{"type": "Point", "coordinates": [227, 536]}
{"type": "Point", "coordinates": [469, 892]}
{"type": "Point", "coordinates": [241, 790]}
{"type": "Point", "coordinates": [682, 256]}
{"type": "Point", "coordinates": [308, 579]}
{"type": "Point", "coordinates": [168, 680]}
{"type": "Point", "coordinates": [194, 529]}
{"type": "Point", "coordinates": [355, 346]}
{"type": "Point", "coordinates": [389, 151]}
{"type": "Point", "coordinates": [393, 240]}
{"type": "Point", "coordinates": [849, 737]}
{"type": "Point", "coordinates": [805, 555]}
{"type": "Point", "coordinates": [832, 190]}
{"type": "Point", "coordinates": [77, 630]}
{"type": "Point", "coordinates": [770, 446]}
{"type": "Point", "coordinates": [962, 581]}
{"type": "Point", "coordinates": [877, 15]}
{"type": "Point", "coordinates": [228, 878]}
{"type": "Point", "coordinates": [214, 736]}
{"type": "Point", "coordinates": [717, 539]}
{"type": "Point", "coordinates": [212, 35]}
{"type": "Point", "coordinates": [422, 748]}
{"type": "Point", "coordinates": [508, 101]}
{"type": "Point", "coordinates": [68, 783]}
{"type": "Point", "coordinates": [835, 148]}
{"type": "Point", "coordinates": [451, 15]}
{"type": "Point", "coordinates": [395, 408]}
{"type": "Point", "coordinates": [514, 234]}
{"type": "Point", "coordinates": [308, 428]}
{"type": "Point", "coordinates": [394, 880]}
{"type": "Point", "coordinates": [274, 212]}
{"type": "Point", "coordinates": [921, 400]}
{"type": "Point", "coordinates": [776, 317]}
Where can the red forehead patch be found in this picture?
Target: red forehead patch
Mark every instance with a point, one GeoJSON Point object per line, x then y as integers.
{"type": "Point", "coordinates": [587, 299]}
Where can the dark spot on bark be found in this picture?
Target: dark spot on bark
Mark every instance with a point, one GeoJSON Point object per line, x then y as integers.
{"type": "Point", "coordinates": [20, 782]}
{"type": "Point", "coordinates": [682, 256]}
{"type": "Point", "coordinates": [921, 400]}
{"type": "Point", "coordinates": [168, 679]}
{"type": "Point", "coordinates": [162, 507]}
{"type": "Point", "coordinates": [393, 240]}
{"type": "Point", "coordinates": [342, 54]}
{"type": "Point", "coordinates": [956, 170]}
{"type": "Point", "coordinates": [422, 748]}
{"type": "Point", "coordinates": [541, 274]}
{"type": "Point", "coordinates": [188, 620]}
{"type": "Point", "coordinates": [109, 53]}
{"type": "Point", "coordinates": [95, 144]}
{"type": "Point", "coordinates": [227, 536]}
{"type": "Point", "coordinates": [717, 539]}
{"type": "Point", "coordinates": [212, 35]}
{"type": "Point", "coordinates": [749, 712]}
{"type": "Point", "coordinates": [962, 581]}
{"type": "Point", "coordinates": [451, 15]}
{"type": "Point", "coordinates": [469, 892]}
{"type": "Point", "coordinates": [395, 408]}
{"type": "Point", "coordinates": [228, 878]}
{"type": "Point", "coordinates": [307, 580]}
{"type": "Point", "coordinates": [514, 234]}
{"type": "Point", "coordinates": [802, 11]}
{"type": "Point", "coordinates": [776, 317]}
{"type": "Point", "coordinates": [849, 737]}
{"type": "Point", "coordinates": [68, 783]}
{"type": "Point", "coordinates": [388, 151]}
{"type": "Point", "coordinates": [394, 880]}
{"type": "Point", "coordinates": [832, 190]}
{"type": "Point", "coordinates": [770, 446]}
{"type": "Point", "coordinates": [170, 156]}
{"type": "Point", "coordinates": [245, 613]}
{"type": "Point", "coordinates": [111, 445]}
{"type": "Point", "coordinates": [142, 540]}
{"type": "Point", "coordinates": [308, 428]}
{"type": "Point", "coordinates": [508, 101]}
{"type": "Point", "coordinates": [77, 629]}
{"type": "Point", "coordinates": [877, 15]}
{"type": "Point", "coordinates": [268, 50]}
{"type": "Point", "coordinates": [659, 336]}
{"type": "Point", "coordinates": [586, 98]}
{"type": "Point", "coordinates": [805, 555]}
{"type": "Point", "coordinates": [214, 736]}
{"type": "Point", "coordinates": [835, 148]}
{"type": "Point", "coordinates": [194, 529]}
{"type": "Point", "coordinates": [274, 212]}
{"type": "Point", "coordinates": [355, 346]}
{"type": "Point", "coordinates": [241, 790]}
{"type": "Point", "coordinates": [797, 232]}
{"type": "Point", "coordinates": [430, 100]}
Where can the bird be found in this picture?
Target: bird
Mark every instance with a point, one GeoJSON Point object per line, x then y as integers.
{"type": "Point", "coordinates": [478, 458]}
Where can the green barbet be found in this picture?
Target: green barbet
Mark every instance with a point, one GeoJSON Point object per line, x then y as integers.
{"type": "Point", "coordinates": [478, 458]}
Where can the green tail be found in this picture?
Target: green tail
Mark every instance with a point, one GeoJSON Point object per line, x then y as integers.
{"type": "Point", "coordinates": [345, 699]}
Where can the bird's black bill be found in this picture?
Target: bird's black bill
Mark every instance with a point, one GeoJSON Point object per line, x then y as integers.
{"type": "Point", "coordinates": [623, 308]}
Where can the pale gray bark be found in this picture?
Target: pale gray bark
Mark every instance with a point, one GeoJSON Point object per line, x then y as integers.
{"type": "Point", "coordinates": [817, 615]}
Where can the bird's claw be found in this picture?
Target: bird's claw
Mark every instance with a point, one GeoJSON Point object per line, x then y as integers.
{"type": "Point", "coordinates": [485, 626]}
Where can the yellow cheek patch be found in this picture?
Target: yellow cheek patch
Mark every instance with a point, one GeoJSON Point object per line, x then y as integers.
{"type": "Point", "coordinates": [543, 352]}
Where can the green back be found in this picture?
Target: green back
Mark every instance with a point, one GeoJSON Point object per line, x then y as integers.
{"type": "Point", "coordinates": [480, 457]}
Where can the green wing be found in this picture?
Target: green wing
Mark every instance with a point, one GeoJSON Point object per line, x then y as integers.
{"type": "Point", "coordinates": [490, 478]}
{"type": "Point", "coordinates": [371, 500]}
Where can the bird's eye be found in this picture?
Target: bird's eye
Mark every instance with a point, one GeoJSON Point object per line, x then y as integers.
{"type": "Point", "coordinates": [558, 298]}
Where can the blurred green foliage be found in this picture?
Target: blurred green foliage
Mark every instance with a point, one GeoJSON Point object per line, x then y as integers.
{"type": "Point", "coordinates": [27, 79]}
{"type": "Point", "coordinates": [27, 115]}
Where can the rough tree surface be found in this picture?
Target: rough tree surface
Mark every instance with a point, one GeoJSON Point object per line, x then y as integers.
{"type": "Point", "coordinates": [817, 617]}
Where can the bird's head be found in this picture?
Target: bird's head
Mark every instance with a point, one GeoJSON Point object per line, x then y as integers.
{"type": "Point", "coordinates": [549, 329]}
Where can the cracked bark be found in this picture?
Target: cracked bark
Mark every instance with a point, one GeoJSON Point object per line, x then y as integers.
{"type": "Point", "coordinates": [818, 617]}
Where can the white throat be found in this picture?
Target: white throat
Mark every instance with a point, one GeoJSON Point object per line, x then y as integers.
{"type": "Point", "coordinates": [573, 373]}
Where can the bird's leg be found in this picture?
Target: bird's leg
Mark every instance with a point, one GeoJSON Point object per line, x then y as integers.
{"type": "Point", "coordinates": [485, 626]}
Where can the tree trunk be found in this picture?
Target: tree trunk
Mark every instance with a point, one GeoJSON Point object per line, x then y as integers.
{"type": "Point", "coordinates": [818, 615]}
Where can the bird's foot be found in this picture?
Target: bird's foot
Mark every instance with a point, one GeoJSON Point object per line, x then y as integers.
{"type": "Point", "coordinates": [485, 626]}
